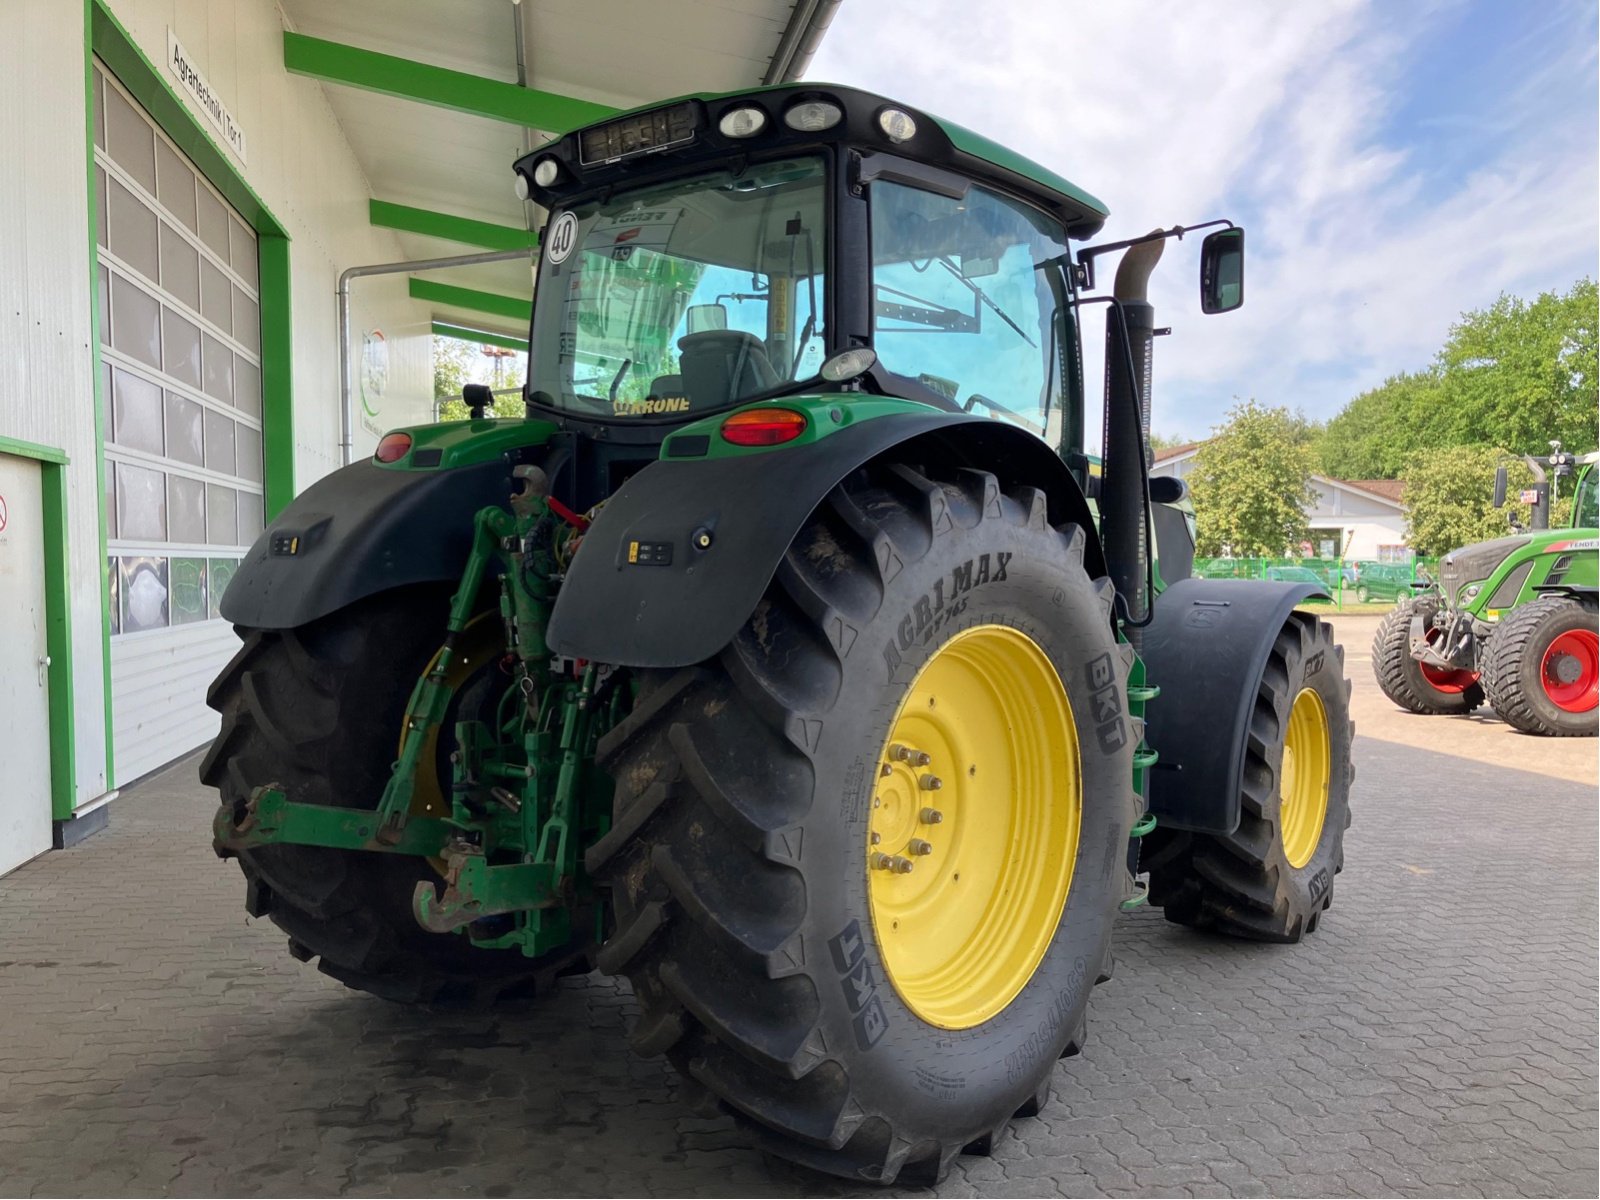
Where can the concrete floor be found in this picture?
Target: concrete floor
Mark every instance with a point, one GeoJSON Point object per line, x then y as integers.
{"type": "Point", "coordinates": [1437, 1036]}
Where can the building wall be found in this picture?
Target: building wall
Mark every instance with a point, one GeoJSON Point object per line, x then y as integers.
{"type": "Point", "coordinates": [302, 169]}
{"type": "Point", "coordinates": [46, 338]}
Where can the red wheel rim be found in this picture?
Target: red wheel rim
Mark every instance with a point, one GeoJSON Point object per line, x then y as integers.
{"type": "Point", "coordinates": [1446, 679]}
{"type": "Point", "coordinates": [1571, 670]}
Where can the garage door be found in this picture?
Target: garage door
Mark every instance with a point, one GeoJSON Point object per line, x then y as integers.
{"type": "Point", "coordinates": [180, 391]}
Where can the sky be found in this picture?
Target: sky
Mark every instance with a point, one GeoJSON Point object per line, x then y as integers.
{"type": "Point", "coordinates": [1394, 164]}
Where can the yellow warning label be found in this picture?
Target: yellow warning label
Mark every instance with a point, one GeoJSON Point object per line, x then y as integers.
{"type": "Point", "coordinates": [633, 552]}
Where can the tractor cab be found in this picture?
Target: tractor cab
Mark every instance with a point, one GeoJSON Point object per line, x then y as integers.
{"type": "Point", "coordinates": [725, 250]}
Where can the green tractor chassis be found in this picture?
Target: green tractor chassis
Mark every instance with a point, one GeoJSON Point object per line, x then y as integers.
{"type": "Point", "coordinates": [1512, 621]}
{"type": "Point", "coordinates": [776, 661]}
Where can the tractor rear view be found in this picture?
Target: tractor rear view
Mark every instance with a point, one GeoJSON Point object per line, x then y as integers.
{"type": "Point", "coordinates": [1512, 620]}
{"type": "Point", "coordinates": [776, 660]}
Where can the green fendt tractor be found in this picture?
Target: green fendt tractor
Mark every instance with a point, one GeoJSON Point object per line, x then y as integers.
{"type": "Point", "coordinates": [1512, 620]}
{"type": "Point", "coordinates": [776, 661]}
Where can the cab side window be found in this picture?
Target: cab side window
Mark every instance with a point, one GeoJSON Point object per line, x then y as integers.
{"type": "Point", "coordinates": [966, 297]}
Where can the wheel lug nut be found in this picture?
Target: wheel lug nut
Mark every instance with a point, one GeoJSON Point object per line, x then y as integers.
{"type": "Point", "coordinates": [876, 837]}
{"type": "Point", "coordinates": [879, 861]}
{"type": "Point", "coordinates": [930, 783]}
{"type": "Point", "coordinates": [931, 816]}
{"type": "Point", "coordinates": [918, 846]}
{"type": "Point", "coordinates": [886, 769]}
{"type": "Point", "coordinates": [900, 865]}
{"type": "Point", "coordinates": [899, 753]}
{"type": "Point", "coordinates": [919, 758]}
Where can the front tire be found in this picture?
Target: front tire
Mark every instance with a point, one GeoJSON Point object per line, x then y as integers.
{"type": "Point", "coordinates": [1540, 669]}
{"type": "Point", "coordinates": [1415, 687]}
{"type": "Point", "coordinates": [750, 918]}
{"type": "Point", "coordinates": [1271, 879]}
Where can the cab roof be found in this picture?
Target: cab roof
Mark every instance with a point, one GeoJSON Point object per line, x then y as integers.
{"type": "Point", "coordinates": [938, 142]}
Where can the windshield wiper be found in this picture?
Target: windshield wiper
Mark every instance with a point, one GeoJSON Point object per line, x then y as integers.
{"type": "Point", "coordinates": [984, 297]}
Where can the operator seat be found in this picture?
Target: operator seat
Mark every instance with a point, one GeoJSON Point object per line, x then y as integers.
{"type": "Point", "coordinates": [721, 365]}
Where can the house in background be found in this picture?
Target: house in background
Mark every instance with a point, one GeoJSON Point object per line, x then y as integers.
{"type": "Point", "coordinates": [1351, 519]}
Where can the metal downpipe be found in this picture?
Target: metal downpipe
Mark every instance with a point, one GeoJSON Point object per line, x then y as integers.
{"type": "Point", "coordinates": [347, 419]}
{"type": "Point", "coordinates": [808, 21]}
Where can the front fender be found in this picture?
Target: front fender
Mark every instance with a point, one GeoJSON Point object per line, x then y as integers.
{"type": "Point", "coordinates": [1206, 648]}
{"type": "Point", "coordinates": [680, 556]}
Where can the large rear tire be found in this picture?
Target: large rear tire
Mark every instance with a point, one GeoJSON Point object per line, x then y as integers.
{"type": "Point", "coordinates": [853, 1017]}
{"type": "Point", "coordinates": [1430, 691]}
{"type": "Point", "coordinates": [1540, 670]}
{"type": "Point", "coordinates": [317, 710]}
{"type": "Point", "coordinates": [1272, 878]}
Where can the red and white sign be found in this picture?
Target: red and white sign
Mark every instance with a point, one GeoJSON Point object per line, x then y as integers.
{"type": "Point", "coordinates": [2, 514]}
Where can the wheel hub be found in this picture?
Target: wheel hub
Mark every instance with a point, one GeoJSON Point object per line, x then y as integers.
{"type": "Point", "coordinates": [974, 826]}
{"type": "Point", "coordinates": [1571, 670]}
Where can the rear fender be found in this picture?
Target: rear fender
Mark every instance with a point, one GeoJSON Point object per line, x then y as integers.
{"type": "Point", "coordinates": [679, 558]}
{"type": "Point", "coordinates": [1206, 648]}
{"type": "Point", "coordinates": [362, 530]}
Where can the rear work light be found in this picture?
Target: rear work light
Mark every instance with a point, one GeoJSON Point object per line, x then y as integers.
{"type": "Point", "coordinates": [764, 426]}
{"type": "Point", "coordinates": [393, 447]}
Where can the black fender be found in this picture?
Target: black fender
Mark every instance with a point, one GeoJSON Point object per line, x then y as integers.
{"type": "Point", "coordinates": [679, 558]}
{"type": "Point", "coordinates": [1205, 648]}
{"type": "Point", "coordinates": [359, 531]}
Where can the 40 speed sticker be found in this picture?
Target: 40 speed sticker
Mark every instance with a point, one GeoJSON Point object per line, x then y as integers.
{"type": "Point", "coordinates": [561, 238]}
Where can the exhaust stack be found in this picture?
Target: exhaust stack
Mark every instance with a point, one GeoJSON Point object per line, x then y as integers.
{"type": "Point", "coordinates": [1123, 499]}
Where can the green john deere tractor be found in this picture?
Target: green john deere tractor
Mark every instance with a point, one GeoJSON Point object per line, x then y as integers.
{"type": "Point", "coordinates": [776, 660]}
{"type": "Point", "coordinates": [1511, 620]}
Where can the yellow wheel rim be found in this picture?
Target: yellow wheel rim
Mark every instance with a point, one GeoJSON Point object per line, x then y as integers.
{"type": "Point", "coordinates": [1303, 782]}
{"type": "Point", "coordinates": [974, 826]}
{"type": "Point", "coordinates": [482, 639]}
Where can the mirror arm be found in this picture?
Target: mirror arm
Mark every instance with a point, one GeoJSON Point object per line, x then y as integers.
{"type": "Point", "coordinates": [1088, 254]}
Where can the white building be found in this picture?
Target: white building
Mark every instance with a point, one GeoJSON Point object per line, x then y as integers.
{"type": "Point", "coordinates": [185, 182]}
{"type": "Point", "coordinates": [1352, 518]}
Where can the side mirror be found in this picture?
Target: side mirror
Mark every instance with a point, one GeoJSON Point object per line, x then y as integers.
{"type": "Point", "coordinates": [1499, 487]}
{"type": "Point", "coordinates": [478, 397]}
{"type": "Point", "coordinates": [1222, 271]}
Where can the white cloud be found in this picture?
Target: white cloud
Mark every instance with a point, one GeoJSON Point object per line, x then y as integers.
{"type": "Point", "coordinates": [1281, 116]}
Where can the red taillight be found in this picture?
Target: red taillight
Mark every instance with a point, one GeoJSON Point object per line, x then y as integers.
{"type": "Point", "coordinates": [764, 426]}
{"type": "Point", "coordinates": [393, 447]}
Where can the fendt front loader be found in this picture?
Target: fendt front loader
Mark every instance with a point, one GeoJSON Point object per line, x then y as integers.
{"type": "Point", "coordinates": [1514, 620]}
{"type": "Point", "coordinates": [776, 661]}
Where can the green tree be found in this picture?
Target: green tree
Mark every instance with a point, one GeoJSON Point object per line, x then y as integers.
{"type": "Point", "coordinates": [1449, 498]}
{"type": "Point", "coordinates": [1515, 374]}
{"type": "Point", "coordinates": [1252, 484]}
{"type": "Point", "coordinates": [1377, 433]}
{"type": "Point", "coordinates": [453, 362]}
{"type": "Point", "coordinates": [457, 363]}
{"type": "Point", "coordinates": [1518, 374]}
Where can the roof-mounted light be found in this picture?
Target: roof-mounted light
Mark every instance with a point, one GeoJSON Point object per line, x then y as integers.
{"type": "Point", "coordinates": [519, 185]}
{"type": "Point", "coordinates": [813, 116]}
{"type": "Point", "coordinates": [546, 171]}
{"type": "Point", "coordinates": [897, 125]}
{"type": "Point", "coordinates": [743, 122]}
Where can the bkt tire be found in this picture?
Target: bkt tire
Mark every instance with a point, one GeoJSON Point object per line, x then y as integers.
{"type": "Point", "coordinates": [1272, 878]}
{"type": "Point", "coordinates": [1417, 688]}
{"type": "Point", "coordinates": [1540, 669]}
{"type": "Point", "coordinates": [865, 863]}
{"type": "Point", "coordinates": [318, 710]}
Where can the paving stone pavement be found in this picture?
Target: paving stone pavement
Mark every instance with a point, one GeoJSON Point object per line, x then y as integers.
{"type": "Point", "coordinates": [1437, 1036]}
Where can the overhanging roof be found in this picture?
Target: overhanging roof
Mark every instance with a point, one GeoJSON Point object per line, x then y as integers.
{"type": "Point", "coordinates": [417, 127]}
